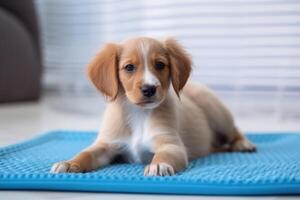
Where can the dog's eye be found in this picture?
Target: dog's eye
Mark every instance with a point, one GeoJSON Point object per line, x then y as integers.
{"type": "Point", "coordinates": [159, 65]}
{"type": "Point", "coordinates": [130, 67]}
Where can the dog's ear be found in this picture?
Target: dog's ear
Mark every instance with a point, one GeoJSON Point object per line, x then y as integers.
{"type": "Point", "coordinates": [103, 71]}
{"type": "Point", "coordinates": [180, 64]}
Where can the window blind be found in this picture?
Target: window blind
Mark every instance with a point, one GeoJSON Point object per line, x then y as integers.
{"type": "Point", "coordinates": [247, 50]}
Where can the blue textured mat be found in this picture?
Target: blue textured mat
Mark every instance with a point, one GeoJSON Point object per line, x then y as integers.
{"type": "Point", "coordinates": [274, 169]}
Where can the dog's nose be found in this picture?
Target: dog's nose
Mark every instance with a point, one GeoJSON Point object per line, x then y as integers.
{"type": "Point", "coordinates": [148, 90]}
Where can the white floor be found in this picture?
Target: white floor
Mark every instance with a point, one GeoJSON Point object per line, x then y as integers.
{"type": "Point", "coordinates": [25, 120]}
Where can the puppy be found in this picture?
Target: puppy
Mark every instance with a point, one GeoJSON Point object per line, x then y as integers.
{"type": "Point", "coordinates": [154, 116]}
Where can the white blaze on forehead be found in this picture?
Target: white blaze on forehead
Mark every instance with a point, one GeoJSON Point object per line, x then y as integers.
{"type": "Point", "coordinates": [149, 78]}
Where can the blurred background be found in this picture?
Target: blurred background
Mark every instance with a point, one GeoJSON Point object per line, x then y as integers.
{"type": "Point", "coordinates": [248, 51]}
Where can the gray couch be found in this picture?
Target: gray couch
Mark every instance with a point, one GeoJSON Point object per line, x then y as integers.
{"type": "Point", "coordinates": [20, 57]}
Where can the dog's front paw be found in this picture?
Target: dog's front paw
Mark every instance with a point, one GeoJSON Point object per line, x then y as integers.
{"type": "Point", "coordinates": [159, 169]}
{"type": "Point", "coordinates": [66, 167]}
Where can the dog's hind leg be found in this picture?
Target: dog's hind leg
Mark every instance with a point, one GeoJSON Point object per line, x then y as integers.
{"type": "Point", "coordinates": [241, 143]}
{"type": "Point", "coordinates": [234, 141]}
{"type": "Point", "coordinates": [226, 136]}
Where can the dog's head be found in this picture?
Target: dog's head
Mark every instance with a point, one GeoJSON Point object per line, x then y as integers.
{"type": "Point", "coordinates": [142, 69]}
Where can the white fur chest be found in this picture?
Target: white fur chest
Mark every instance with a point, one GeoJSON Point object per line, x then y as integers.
{"type": "Point", "coordinates": [139, 143]}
